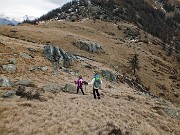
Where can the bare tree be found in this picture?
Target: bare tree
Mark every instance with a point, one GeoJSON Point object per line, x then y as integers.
{"type": "Point", "coordinates": [134, 63]}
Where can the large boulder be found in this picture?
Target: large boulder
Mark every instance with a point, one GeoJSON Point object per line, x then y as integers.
{"type": "Point", "coordinates": [30, 93]}
{"type": "Point", "coordinates": [69, 88]}
{"type": "Point", "coordinates": [88, 46]}
{"type": "Point", "coordinates": [109, 75]}
{"type": "Point", "coordinates": [53, 88]}
{"type": "Point", "coordinates": [4, 82]}
{"type": "Point", "coordinates": [25, 82]}
{"type": "Point", "coordinates": [56, 54]}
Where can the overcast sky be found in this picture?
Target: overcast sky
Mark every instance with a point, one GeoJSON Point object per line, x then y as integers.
{"type": "Point", "coordinates": [20, 8]}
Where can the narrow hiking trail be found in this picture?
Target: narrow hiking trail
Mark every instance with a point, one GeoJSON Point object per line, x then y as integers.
{"type": "Point", "coordinates": [119, 108]}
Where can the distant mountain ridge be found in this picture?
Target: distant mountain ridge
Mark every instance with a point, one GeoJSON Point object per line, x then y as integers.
{"type": "Point", "coordinates": [5, 21]}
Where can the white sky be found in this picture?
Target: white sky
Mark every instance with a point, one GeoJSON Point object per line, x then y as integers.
{"type": "Point", "coordinates": [20, 8]}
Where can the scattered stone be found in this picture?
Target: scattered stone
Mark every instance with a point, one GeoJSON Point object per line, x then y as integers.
{"type": "Point", "coordinates": [30, 93]}
{"type": "Point", "coordinates": [173, 112]}
{"type": "Point", "coordinates": [89, 46]}
{"type": "Point", "coordinates": [131, 34]}
{"type": "Point", "coordinates": [69, 71]}
{"type": "Point", "coordinates": [25, 82]}
{"type": "Point", "coordinates": [109, 75]}
{"type": "Point", "coordinates": [9, 68]}
{"type": "Point", "coordinates": [24, 55]}
{"type": "Point", "coordinates": [53, 88]}
{"type": "Point", "coordinates": [32, 50]}
{"type": "Point", "coordinates": [58, 55]}
{"type": "Point", "coordinates": [8, 94]}
{"type": "Point", "coordinates": [39, 68]}
{"type": "Point", "coordinates": [69, 88]}
{"type": "Point", "coordinates": [12, 61]}
{"type": "Point", "coordinates": [4, 82]}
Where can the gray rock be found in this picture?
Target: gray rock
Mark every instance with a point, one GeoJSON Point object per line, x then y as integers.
{"type": "Point", "coordinates": [39, 68]}
{"type": "Point", "coordinates": [109, 75]}
{"type": "Point", "coordinates": [53, 88]}
{"type": "Point", "coordinates": [25, 82]}
{"type": "Point", "coordinates": [58, 55]}
{"type": "Point", "coordinates": [24, 55]}
{"type": "Point", "coordinates": [88, 46]}
{"type": "Point", "coordinates": [44, 69]}
{"type": "Point", "coordinates": [32, 49]}
{"type": "Point", "coordinates": [8, 94]}
{"type": "Point", "coordinates": [12, 61]}
{"type": "Point", "coordinates": [4, 82]}
{"type": "Point", "coordinates": [173, 112]}
{"type": "Point", "coordinates": [69, 88]}
{"type": "Point", "coordinates": [9, 68]}
{"type": "Point", "coordinates": [30, 93]}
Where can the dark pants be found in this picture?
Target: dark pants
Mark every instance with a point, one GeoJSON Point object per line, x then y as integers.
{"type": "Point", "coordinates": [81, 90]}
{"type": "Point", "coordinates": [95, 91]}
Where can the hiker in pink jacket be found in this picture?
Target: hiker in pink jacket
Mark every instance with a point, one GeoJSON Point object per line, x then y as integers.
{"type": "Point", "coordinates": [80, 82]}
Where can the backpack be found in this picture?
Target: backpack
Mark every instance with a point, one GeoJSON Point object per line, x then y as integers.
{"type": "Point", "coordinates": [97, 82]}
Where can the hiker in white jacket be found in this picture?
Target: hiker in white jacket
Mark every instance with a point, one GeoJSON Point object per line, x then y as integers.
{"type": "Point", "coordinates": [96, 81]}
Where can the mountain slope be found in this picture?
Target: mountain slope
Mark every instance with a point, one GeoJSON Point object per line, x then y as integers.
{"type": "Point", "coordinates": [121, 109]}
{"type": "Point", "coordinates": [158, 72]}
{"type": "Point", "coordinates": [159, 18]}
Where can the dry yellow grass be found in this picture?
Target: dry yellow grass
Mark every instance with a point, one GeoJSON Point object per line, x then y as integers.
{"type": "Point", "coordinates": [120, 106]}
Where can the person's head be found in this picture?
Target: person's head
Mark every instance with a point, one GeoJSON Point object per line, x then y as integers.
{"type": "Point", "coordinates": [96, 72]}
{"type": "Point", "coordinates": [80, 77]}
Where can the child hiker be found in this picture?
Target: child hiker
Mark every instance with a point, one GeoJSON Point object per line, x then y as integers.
{"type": "Point", "coordinates": [96, 81]}
{"type": "Point", "coordinates": [80, 82]}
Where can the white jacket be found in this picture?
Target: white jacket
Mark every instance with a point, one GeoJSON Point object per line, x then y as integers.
{"type": "Point", "coordinates": [92, 82]}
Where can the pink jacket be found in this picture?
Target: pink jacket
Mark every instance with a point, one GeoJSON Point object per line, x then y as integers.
{"type": "Point", "coordinates": [80, 83]}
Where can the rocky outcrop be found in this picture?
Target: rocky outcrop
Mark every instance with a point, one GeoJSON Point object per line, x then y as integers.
{"type": "Point", "coordinates": [69, 88]}
{"type": "Point", "coordinates": [109, 75]}
{"type": "Point", "coordinates": [134, 83]}
{"type": "Point", "coordinates": [29, 93]}
{"type": "Point", "coordinates": [4, 82]}
{"type": "Point", "coordinates": [25, 82]}
{"type": "Point", "coordinates": [173, 112]}
{"type": "Point", "coordinates": [131, 34]}
{"type": "Point", "coordinates": [88, 46]}
{"type": "Point", "coordinates": [53, 88]}
{"type": "Point", "coordinates": [55, 54]}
